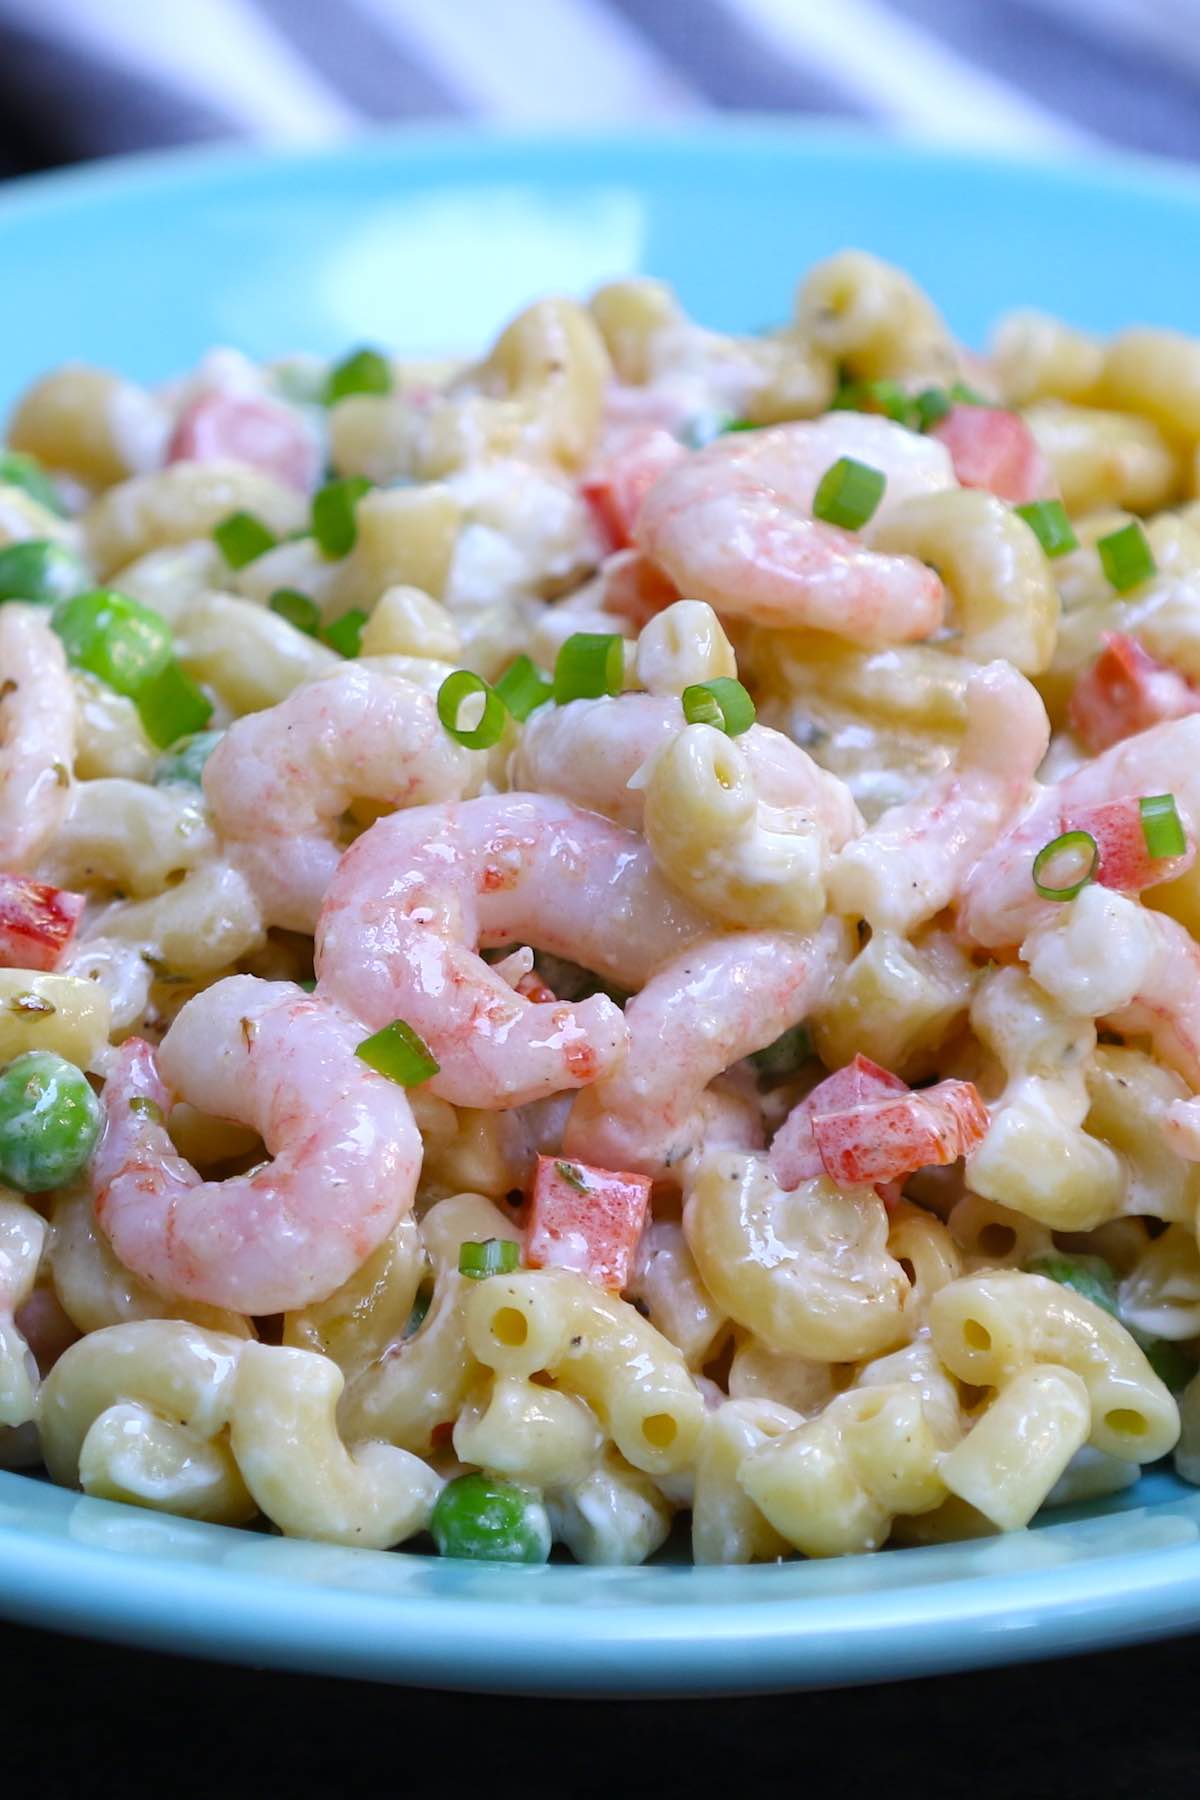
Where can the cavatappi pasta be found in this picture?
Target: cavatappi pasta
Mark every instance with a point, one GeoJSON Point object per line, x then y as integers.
{"type": "Point", "coordinates": [605, 940]}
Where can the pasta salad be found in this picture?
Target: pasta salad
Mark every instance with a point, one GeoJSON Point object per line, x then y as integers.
{"type": "Point", "coordinates": [607, 935]}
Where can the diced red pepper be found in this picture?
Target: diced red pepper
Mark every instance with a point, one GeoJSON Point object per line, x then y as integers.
{"type": "Point", "coordinates": [995, 450]}
{"type": "Point", "coordinates": [615, 486]}
{"type": "Point", "coordinates": [586, 1219]}
{"type": "Point", "coordinates": [1125, 862]}
{"type": "Point", "coordinates": [265, 433]}
{"type": "Point", "coordinates": [794, 1155]}
{"type": "Point", "coordinates": [1125, 691]}
{"type": "Point", "coordinates": [882, 1140]}
{"type": "Point", "coordinates": [635, 588]}
{"type": "Point", "coordinates": [37, 922]}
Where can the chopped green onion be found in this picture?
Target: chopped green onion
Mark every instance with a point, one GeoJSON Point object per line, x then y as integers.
{"type": "Point", "coordinates": [883, 396]}
{"type": "Point", "coordinates": [18, 469]}
{"type": "Point", "coordinates": [848, 493]}
{"type": "Point", "coordinates": [570, 1174]}
{"type": "Point", "coordinates": [363, 372]}
{"type": "Point", "coordinates": [738, 425]}
{"type": "Point", "coordinates": [589, 664]}
{"type": "Point", "coordinates": [333, 522]}
{"type": "Point", "coordinates": [494, 1256]}
{"type": "Point", "coordinates": [118, 639]}
{"type": "Point", "coordinates": [400, 1054]}
{"type": "Point", "coordinates": [420, 1311]}
{"type": "Point", "coordinates": [242, 539]}
{"type": "Point", "coordinates": [1048, 521]}
{"type": "Point", "coordinates": [1162, 827]}
{"type": "Point", "coordinates": [932, 404]}
{"type": "Point", "coordinates": [1089, 1276]}
{"type": "Point", "coordinates": [345, 634]}
{"type": "Point", "coordinates": [1072, 843]}
{"type": "Point", "coordinates": [962, 395]}
{"type": "Point", "coordinates": [522, 687]}
{"type": "Point", "coordinates": [186, 760]}
{"type": "Point", "coordinates": [297, 608]}
{"type": "Point", "coordinates": [1126, 556]}
{"type": "Point", "coordinates": [171, 706]}
{"type": "Point", "coordinates": [38, 569]}
{"type": "Point", "coordinates": [722, 702]}
{"type": "Point", "coordinates": [787, 1054]}
{"type": "Point", "coordinates": [460, 686]}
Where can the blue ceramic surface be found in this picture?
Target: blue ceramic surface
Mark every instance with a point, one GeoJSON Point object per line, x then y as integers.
{"type": "Point", "coordinates": [429, 242]}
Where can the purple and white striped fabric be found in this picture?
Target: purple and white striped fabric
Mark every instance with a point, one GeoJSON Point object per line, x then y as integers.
{"type": "Point", "coordinates": [82, 78]}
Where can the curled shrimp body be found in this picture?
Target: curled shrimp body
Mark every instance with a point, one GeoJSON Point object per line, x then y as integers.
{"type": "Point", "coordinates": [715, 1003]}
{"type": "Point", "coordinates": [279, 781]}
{"type": "Point", "coordinates": [346, 1151]}
{"type": "Point", "coordinates": [37, 734]}
{"type": "Point", "coordinates": [909, 864]}
{"type": "Point", "coordinates": [733, 525]}
{"type": "Point", "coordinates": [589, 750]}
{"type": "Point", "coordinates": [418, 893]}
{"type": "Point", "coordinates": [999, 903]}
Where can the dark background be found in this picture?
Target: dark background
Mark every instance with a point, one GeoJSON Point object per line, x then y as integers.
{"type": "Point", "coordinates": [84, 1719]}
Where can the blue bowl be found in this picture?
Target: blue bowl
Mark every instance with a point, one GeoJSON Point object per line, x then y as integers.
{"type": "Point", "coordinates": [428, 241]}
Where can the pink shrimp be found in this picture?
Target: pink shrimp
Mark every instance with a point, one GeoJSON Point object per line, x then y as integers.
{"type": "Point", "coordinates": [622, 475]}
{"type": "Point", "coordinates": [733, 525]}
{"type": "Point", "coordinates": [711, 1006]}
{"type": "Point", "coordinates": [346, 1151]}
{"type": "Point", "coordinates": [910, 863]}
{"type": "Point", "coordinates": [37, 734]}
{"type": "Point", "coordinates": [419, 891]}
{"type": "Point", "coordinates": [248, 428]}
{"type": "Point", "coordinates": [999, 903]}
{"type": "Point", "coordinates": [996, 450]}
{"type": "Point", "coordinates": [279, 781]}
{"type": "Point", "coordinates": [589, 750]}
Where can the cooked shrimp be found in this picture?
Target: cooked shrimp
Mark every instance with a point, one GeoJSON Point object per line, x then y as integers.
{"type": "Point", "coordinates": [279, 781]}
{"type": "Point", "coordinates": [1107, 957]}
{"type": "Point", "coordinates": [1000, 904]}
{"type": "Point", "coordinates": [589, 750]}
{"type": "Point", "coordinates": [715, 1003]}
{"type": "Point", "coordinates": [419, 892]}
{"type": "Point", "coordinates": [37, 734]}
{"type": "Point", "coordinates": [910, 863]}
{"type": "Point", "coordinates": [346, 1151]}
{"type": "Point", "coordinates": [733, 525]}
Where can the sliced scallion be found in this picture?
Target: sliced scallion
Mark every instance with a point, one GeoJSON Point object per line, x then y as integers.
{"type": "Point", "coordinates": [18, 469]}
{"type": "Point", "coordinates": [297, 608]}
{"type": "Point", "coordinates": [462, 686]}
{"type": "Point", "coordinates": [848, 493]}
{"type": "Point", "coordinates": [1126, 556]}
{"type": "Point", "coordinates": [113, 637]}
{"type": "Point", "coordinates": [362, 372]}
{"type": "Point", "coordinates": [1162, 827]}
{"type": "Point", "coordinates": [589, 664]}
{"type": "Point", "coordinates": [333, 518]}
{"type": "Point", "coordinates": [494, 1256]}
{"type": "Point", "coordinates": [345, 634]}
{"type": "Point", "coordinates": [242, 539]}
{"type": "Point", "coordinates": [171, 706]}
{"type": "Point", "coordinates": [1077, 845]}
{"type": "Point", "coordinates": [400, 1054]}
{"type": "Point", "coordinates": [522, 687]}
{"type": "Point", "coordinates": [932, 404]}
{"type": "Point", "coordinates": [1048, 521]}
{"type": "Point", "coordinates": [722, 702]}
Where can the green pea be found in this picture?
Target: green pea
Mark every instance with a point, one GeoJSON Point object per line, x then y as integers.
{"type": "Point", "coordinates": [114, 637]}
{"type": "Point", "coordinates": [39, 569]}
{"type": "Point", "coordinates": [490, 1521]}
{"type": "Point", "coordinates": [17, 469]}
{"type": "Point", "coordinates": [186, 761]}
{"type": "Point", "coordinates": [49, 1121]}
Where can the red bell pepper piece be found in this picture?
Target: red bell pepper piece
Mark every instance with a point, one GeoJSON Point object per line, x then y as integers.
{"type": "Point", "coordinates": [586, 1219]}
{"type": "Point", "coordinates": [37, 922]}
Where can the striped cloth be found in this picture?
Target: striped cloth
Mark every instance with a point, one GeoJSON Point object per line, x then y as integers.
{"type": "Point", "coordinates": [81, 78]}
